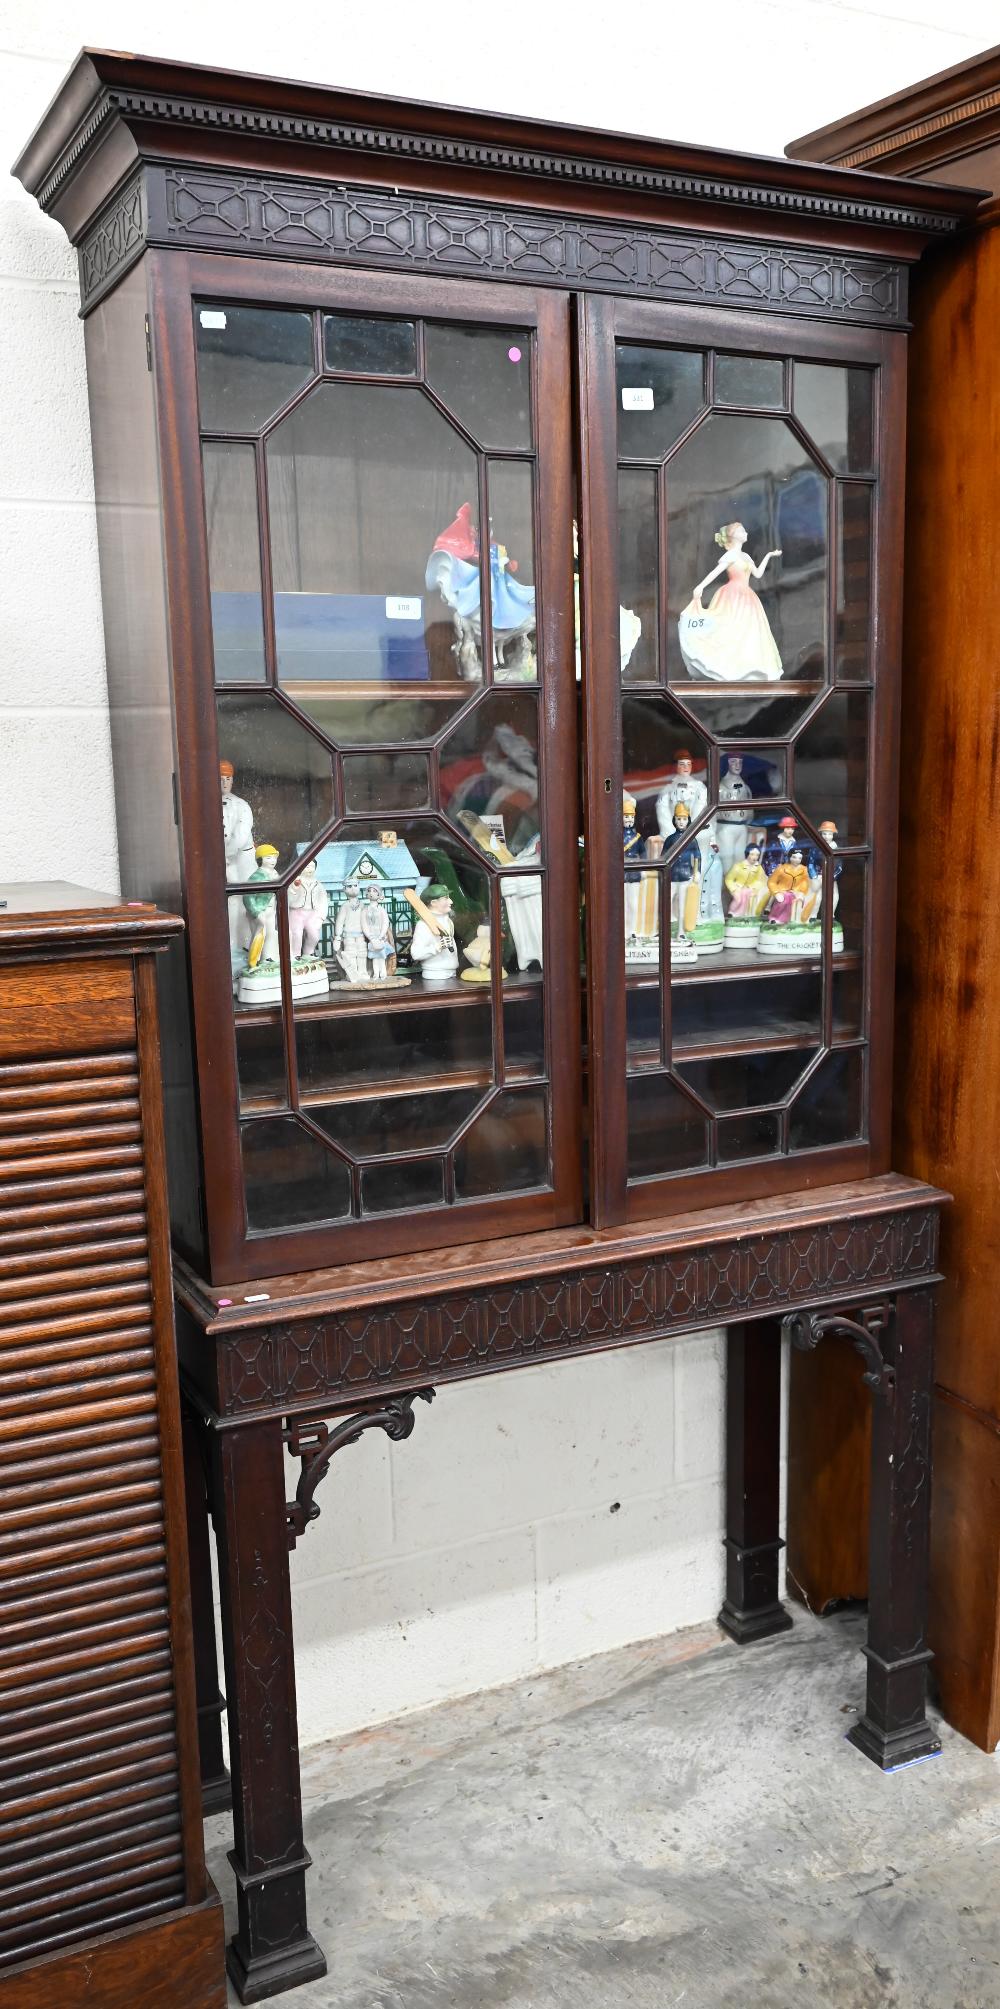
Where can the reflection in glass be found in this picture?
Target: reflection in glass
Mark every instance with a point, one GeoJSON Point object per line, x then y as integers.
{"type": "Point", "coordinates": [381, 718]}
{"type": "Point", "coordinates": [483, 375]}
{"type": "Point", "coordinates": [260, 1062]}
{"type": "Point", "coordinates": [835, 405]}
{"type": "Point", "coordinates": [854, 582]}
{"type": "Point", "coordinates": [663, 763]}
{"type": "Point", "coordinates": [524, 1033]}
{"type": "Point", "coordinates": [642, 1024]}
{"type": "Point", "coordinates": [756, 711]}
{"type": "Point", "coordinates": [506, 1149]}
{"type": "Point", "coordinates": [754, 474]}
{"type": "Point", "coordinates": [489, 776]}
{"type": "Point", "coordinates": [756, 1135]}
{"type": "Point", "coordinates": [666, 1131]}
{"type": "Point", "coordinates": [749, 380]}
{"type": "Point", "coordinates": [251, 360]}
{"type": "Point", "coordinates": [849, 1002]}
{"type": "Point", "coordinates": [512, 570]}
{"type": "Point", "coordinates": [384, 1188]}
{"type": "Point", "coordinates": [638, 569]}
{"type": "Point", "coordinates": [828, 1109]}
{"type": "Point", "coordinates": [831, 767]}
{"type": "Point", "coordinates": [381, 1124]}
{"type": "Point", "coordinates": [660, 391]}
{"type": "Point", "coordinates": [368, 1047]}
{"type": "Point", "coordinates": [282, 775]}
{"type": "Point", "coordinates": [372, 499]}
{"type": "Point", "coordinates": [742, 1081]}
{"type": "Point", "coordinates": [355, 342]}
{"type": "Point", "coordinates": [383, 783]}
{"type": "Point", "coordinates": [290, 1179]}
{"type": "Point", "coordinates": [747, 1009]}
{"type": "Point", "coordinates": [234, 563]}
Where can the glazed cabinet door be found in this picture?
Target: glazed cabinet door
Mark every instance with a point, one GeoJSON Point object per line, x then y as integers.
{"type": "Point", "coordinates": [741, 478]}
{"type": "Point", "coordinates": [369, 543]}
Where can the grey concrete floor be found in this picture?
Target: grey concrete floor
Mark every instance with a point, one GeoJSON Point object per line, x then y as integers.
{"type": "Point", "coordinates": [676, 1823]}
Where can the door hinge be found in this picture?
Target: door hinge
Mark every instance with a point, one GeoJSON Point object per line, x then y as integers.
{"type": "Point", "coordinates": [149, 347]}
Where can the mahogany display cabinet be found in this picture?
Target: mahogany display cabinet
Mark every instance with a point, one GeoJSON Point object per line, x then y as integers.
{"type": "Point", "coordinates": [500, 538]}
{"type": "Point", "coordinates": [947, 1107]}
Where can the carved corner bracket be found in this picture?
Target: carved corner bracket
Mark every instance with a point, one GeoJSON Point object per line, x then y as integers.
{"type": "Point", "coordinates": [865, 1330]}
{"type": "Point", "coordinates": [315, 1444]}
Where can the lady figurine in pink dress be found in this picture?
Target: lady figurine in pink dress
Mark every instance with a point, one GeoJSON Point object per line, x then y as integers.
{"type": "Point", "coordinates": [730, 641]}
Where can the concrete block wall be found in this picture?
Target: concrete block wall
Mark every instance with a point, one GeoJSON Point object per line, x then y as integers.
{"type": "Point", "coordinates": [571, 1509]}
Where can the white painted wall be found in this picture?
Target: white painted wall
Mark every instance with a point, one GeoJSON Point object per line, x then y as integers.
{"type": "Point", "coordinates": [572, 1509]}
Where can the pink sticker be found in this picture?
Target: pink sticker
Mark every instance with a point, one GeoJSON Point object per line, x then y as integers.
{"type": "Point", "coordinates": [220, 1301]}
{"type": "Point", "coordinates": [515, 355]}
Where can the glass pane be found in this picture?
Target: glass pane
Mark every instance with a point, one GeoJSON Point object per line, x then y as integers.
{"type": "Point", "coordinates": [374, 543]}
{"type": "Point", "coordinates": [524, 1032]}
{"type": "Point", "coordinates": [276, 780]}
{"type": "Point", "coordinates": [666, 1131]}
{"type": "Point", "coordinates": [748, 713]}
{"type": "Point", "coordinates": [260, 1059]}
{"type": "Point", "coordinates": [746, 1080]}
{"type": "Point", "coordinates": [663, 763]}
{"type": "Point", "coordinates": [512, 570]}
{"type": "Point", "coordinates": [251, 360]}
{"type": "Point", "coordinates": [376, 1042]}
{"type": "Point", "coordinates": [642, 1023]}
{"type": "Point", "coordinates": [836, 407]}
{"type": "Point", "coordinates": [386, 1188]}
{"type": "Point", "coordinates": [828, 1110]}
{"type": "Point", "coordinates": [849, 999]}
{"type": "Point", "coordinates": [483, 375]}
{"type": "Point", "coordinates": [381, 783]}
{"type": "Point", "coordinates": [745, 777]}
{"type": "Point", "coordinates": [660, 391]}
{"type": "Point", "coordinates": [761, 1003]}
{"type": "Point", "coordinates": [353, 342]}
{"type": "Point", "coordinates": [234, 563]}
{"type": "Point", "coordinates": [850, 905]}
{"type": "Point", "coordinates": [413, 893]}
{"type": "Point", "coordinates": [749, 380]}
{"type": "Point", "coordinates": [489, 776]}
{"type": "Point", "coordinates": [744, 493]}
{"type": "Point", "coordinates": [371, 1127]}
{"type": "Point", "coordinates": [638, 574]}
{"type": "Point", "coordinates": [290, 1179]}
{"type": "Point", "coordinates": [385, 716]}
{"type": "Point", "coordinates": [831, 768]}
{"type": "Point", "coordinates": [753, 1136]}
{"type": "Point", "coordinates": [506, 1149]}
{"type": "Point", "coordinates": [854, 582]}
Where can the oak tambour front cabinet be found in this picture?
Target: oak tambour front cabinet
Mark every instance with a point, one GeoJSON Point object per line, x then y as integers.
{"type": "Point", "coordinates": [500, 534]}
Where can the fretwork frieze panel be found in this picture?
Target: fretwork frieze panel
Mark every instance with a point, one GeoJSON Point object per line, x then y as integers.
{"type": "Point", "coordinates": [463, 1333]}
{"type": "Point", "coordinates": [299, 219]}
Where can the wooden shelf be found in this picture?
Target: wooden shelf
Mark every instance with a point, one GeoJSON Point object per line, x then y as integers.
{"type": "Point", "coordinates": [388, 1089]}
{"type": "Point", "coordinates": [810, 688]}
{"type": "Point", "coordinates": [303, 688]}
{"type": "Point", "coordinates": [419, 996]}
{"type": "Point", "coordinates": [731, 964]}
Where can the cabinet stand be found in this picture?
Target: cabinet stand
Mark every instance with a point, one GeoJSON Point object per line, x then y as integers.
{"type": "Point", "coordinates": [293, 1368]}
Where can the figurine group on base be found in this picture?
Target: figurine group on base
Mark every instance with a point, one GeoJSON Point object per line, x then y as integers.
{"type": "Point", "coordinates": [727, 889]}
{"type": "Point", "coordinates": [260, 981]}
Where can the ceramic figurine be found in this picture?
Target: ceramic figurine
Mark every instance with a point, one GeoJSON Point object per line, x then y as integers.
{"type": "Point", "coordinates": [629, 624]}
{"type": "Point", "coordinates": [453, 571]}
{"type": "Point", "coordinates": [307, 909]}
{"type": "Point", "coordinates": [377, 930]}
{"type": "Point", "coordinates": [685, 786]}
{"type": "Point", "coordinates": [709, 928]}
{"type": "Point", "coordinates": [237, 840]}
{"type": "Point", "coordinates": [646, 947]}
{"type": "Point", "coordinates": [783, 930]}
{"type": "Point", "coordinates": [814, 902]}
{"type": "Point", "coordinates": [522, 898]}
{"type": "Point", "coordinates": [746, 884]}
{"type": "Point", "coordinates": [260, 982]}
{"type": "Point", "coordinates": [350, 943]}
{"type": "Point", "coordinates": [479, 955]}
{"type": "Point", "coordinates": [730, 641]}
{"type": "Point", "coordinates": [433, 942]}
{"type": "Point", "coordinates": [732, 820]}
{"type": "Point", "coordinates": [633, 848]}
{"type": "Point", "coordinates": [780, 846]}
{"type": "Point", "coordinates": [685, 892]}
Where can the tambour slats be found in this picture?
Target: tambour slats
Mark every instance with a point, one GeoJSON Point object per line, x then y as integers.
{"type": "Point", "coordinates": [90, 1819]}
